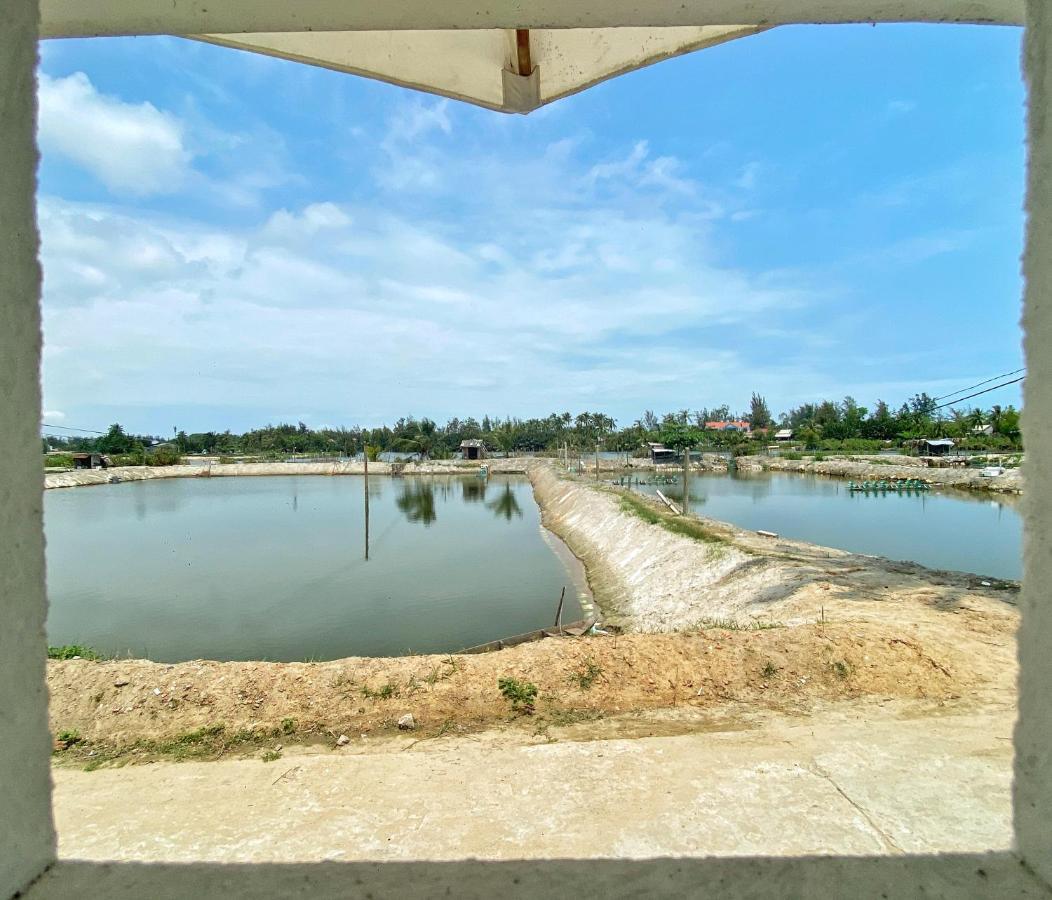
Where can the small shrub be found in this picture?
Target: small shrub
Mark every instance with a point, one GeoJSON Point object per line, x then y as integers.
{"type": "Point", "coordinates": [520, 694]}
{"type": "Point", "coordinates": [69, 737]}
{"type": "Point", "coordinates": [586, 676]}
{"type": "Point", "coordinates": [271, 755]}
{"type": "Point", "coordinates": [840, 668]}
{"type": "Point", "coordinates": [164, 456]}
{"type": "Point", "coordinates": [819, 457]}
{"type": "Point", "coordinates": [288, 726]}
{"type": "Point", "coordinates": [769, 669]}
{"type": "Point", "coordinates": [388, 691]}
{"type": "Point", "coordinates": [791, 454]}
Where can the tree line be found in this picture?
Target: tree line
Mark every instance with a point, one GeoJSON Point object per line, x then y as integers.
{"type": "Point", "coordinates": [828, 425]}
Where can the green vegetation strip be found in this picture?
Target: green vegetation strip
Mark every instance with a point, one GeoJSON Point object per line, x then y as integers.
{"type": "Point", "coordinates": [681, 525]}
{"type": "Point", "coordinates": [72, 651]}
{"type": "Point", "coordinates": [209, 742]}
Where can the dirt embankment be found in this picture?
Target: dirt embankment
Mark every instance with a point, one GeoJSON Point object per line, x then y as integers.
{"type": "Point", "coordinates": [653, 571]}
{"type": "Point", "coordinates": [85, 477]}
{"type": "Point", "coordinates": [135, 708]}
{"type": "Point", "coordinates": [882, 468]}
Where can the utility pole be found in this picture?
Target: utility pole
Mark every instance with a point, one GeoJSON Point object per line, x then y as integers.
{"type": "Point", "coordinates": [365, 456]}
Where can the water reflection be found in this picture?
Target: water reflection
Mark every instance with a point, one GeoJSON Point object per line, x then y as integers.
{"type": "Point", "coordinates": [417, 501]}
{"type": "Point", "coordinates": [506, 506]}
{"type": "Point", "coordinates": [474, 490]}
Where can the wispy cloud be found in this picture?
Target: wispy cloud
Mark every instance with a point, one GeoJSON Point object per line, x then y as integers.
{"type": "Point", "coordinates": [897, 108]}
{"type": "Point", "coordinates": [132, 148]}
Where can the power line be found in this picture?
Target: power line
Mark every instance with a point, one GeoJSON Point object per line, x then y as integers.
{"type": "Point", "coordinates": [980, 384]}
{"type": "Point", "coordinates": [978, 393]}
{"type": "Point", "coordinates": [70, 428]}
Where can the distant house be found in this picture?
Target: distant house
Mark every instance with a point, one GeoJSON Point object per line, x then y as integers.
{"type": "Point", "coordinates": [936, 446]}
{"type": "Point", "coordinates": [983, 429]}
{"type": "Point", "coordinates": [472, 449]}
{"type": "Point", "coordinates": [659, 453]}
{"type": "Point", "coordinates": [90, 461]}
{"type": "Point", "coordinates": [786, 434]}
{"type": "Point", "coordinates": [733, 425]}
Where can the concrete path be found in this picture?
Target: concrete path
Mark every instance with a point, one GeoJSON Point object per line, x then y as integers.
{"type": "Point", "coordinates": [793, 786]}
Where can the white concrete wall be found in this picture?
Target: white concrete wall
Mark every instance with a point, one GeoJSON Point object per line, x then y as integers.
{"type": "Point", "coordinates": [1033, 739]}
{"type": "Point", "coordinates": [27, 841]}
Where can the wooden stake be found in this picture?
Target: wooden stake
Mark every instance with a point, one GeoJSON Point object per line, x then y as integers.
{"type": "Point", "coordinates": [559, 611]}
{"type": "Point", "coordinates": [522, 51]}
{"type": "Point", "coordinates": [366, 455]}
{"type": "Point", "coordinates": [686, 475]}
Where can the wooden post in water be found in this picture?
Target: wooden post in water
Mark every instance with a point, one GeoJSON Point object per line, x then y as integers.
{"type": "Point", "coordinates": [686, 475]}
{"type": "Point", "coordinates": [559, 611]}
{"type": "Point", "coordinates": [365, 455]}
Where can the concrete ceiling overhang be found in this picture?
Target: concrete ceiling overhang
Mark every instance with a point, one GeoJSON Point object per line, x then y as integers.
{"type": "Point", "coordinates": [508, 55]}
{"type": "Point", "coordinates": [509, 70]}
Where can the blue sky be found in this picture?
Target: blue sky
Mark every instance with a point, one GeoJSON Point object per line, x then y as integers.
{"type": "Point", "coordinates": [230, 240]}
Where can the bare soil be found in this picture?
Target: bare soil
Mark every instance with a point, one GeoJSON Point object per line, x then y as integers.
{"type": "Point", "coordinates": [143, 710]}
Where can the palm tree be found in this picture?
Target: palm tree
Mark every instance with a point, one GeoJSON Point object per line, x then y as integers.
{"type": "Point", "coordinates": [505, 437]}
{"type": "Point", "coordinates": [422, 439]}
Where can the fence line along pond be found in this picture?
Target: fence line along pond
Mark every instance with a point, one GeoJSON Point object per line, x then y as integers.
{"type": "Point", "coordinates": [275, 568]}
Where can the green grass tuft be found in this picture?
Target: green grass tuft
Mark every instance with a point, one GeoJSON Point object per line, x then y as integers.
{"type": "Point", "coordinates": [587, 675]}
{"type": "Point", "coordinates": [840, 668]}
{"type": "Point", "coordinates": [388, 691]}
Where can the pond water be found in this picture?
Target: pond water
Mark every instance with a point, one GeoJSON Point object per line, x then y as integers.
{"type": "Point", "coordinates": [942, 529]}
{"type": "Point", "coordinates": [275, 567]}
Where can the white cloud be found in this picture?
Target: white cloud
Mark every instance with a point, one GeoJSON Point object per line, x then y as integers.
{"type": "Point", "coordinates": [331, 309]}
{"type": "Point", "coordinates": [131, 148]}
{"type": "Point", "coordinates": [639, 169]}
{"type": "Point", "coordinates": [746, 180]}
{"type": "Point", "coordinates": [899, 108]}
{"type": "Point", "coordinates": [417, 117]}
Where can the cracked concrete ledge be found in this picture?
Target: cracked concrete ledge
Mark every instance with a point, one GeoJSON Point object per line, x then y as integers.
{"type": "Point", "coordinates": [847, 782]}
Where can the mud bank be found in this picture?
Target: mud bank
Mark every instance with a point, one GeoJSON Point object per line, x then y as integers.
{"type": "Point", "coordinates": [878, 468]}
{"type": "Point", "coordinates": [117, 475]}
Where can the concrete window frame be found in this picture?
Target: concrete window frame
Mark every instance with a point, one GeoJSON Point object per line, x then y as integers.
{"type": "Point", "coordinates": [28, 864]}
